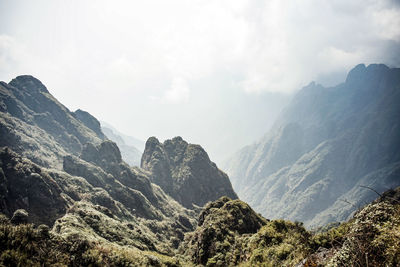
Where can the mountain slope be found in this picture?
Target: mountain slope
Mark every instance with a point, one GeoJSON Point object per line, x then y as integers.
{"type": "Point", "coordinates": [325, 144]}
{"type": "Point", "coordinates": [34, 124]}
{"type": "Point", "coordinates": [185, 172]}
{"type": "Point", "coordinates": [58, 167]}
{"type": "Point", "coordinates": [25, 185]}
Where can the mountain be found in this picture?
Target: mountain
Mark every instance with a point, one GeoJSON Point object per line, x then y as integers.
{"type": "Point", "coordinates": [185, 172]}
{"type": "Point", "coordinates": [67, 198]}
{"type": "Point", "coordinates": [129, 153]}
{"type": "Point", "coordinates": [58, 166]}
{"type": "Point", "coordinates": [60, 172]}
{"type": "Point", "coordinates": [325, 148]}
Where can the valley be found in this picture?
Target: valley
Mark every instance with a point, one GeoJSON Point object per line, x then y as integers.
{"type": "Point", "coordinates": [319, 189]}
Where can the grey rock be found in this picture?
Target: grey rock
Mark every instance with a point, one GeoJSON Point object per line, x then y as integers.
{"type": "Point", "coordinates": [89, 121]}
{"type": "Point", "coordinates": [185, 172]}
{"type": "Point", "coordinates": [20, 216]}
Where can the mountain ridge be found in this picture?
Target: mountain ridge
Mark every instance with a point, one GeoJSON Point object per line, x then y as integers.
{"type": "Point", "coordinates": [325, 137]}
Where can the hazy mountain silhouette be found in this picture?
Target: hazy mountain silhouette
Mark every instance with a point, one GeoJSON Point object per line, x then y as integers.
{"type": "Point", "coordinates": [326, 145]}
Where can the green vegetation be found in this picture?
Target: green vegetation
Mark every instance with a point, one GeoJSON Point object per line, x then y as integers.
{"type": "Point", "coordinates": [229, 233]}
{"type": "Point", "coordinates": [373, 238]}
{"type": "Point", "coordinates": [279, 243]}
{"type": "Point", "coordinates": [27, 245]}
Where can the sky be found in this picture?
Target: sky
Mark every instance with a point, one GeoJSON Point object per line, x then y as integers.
{"type": "Point", "coordinates": [216, 72]}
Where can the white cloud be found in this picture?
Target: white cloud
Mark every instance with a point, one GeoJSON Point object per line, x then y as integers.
{"type": "Point", "coordinates": [178, 93]}
{"type": "Point", "coordinates": [11, 56]}
{"type": "Point", "coordinates": [273, 46]}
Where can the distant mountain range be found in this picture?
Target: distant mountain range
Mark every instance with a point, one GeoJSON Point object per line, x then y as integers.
{"type": "Point", "coordinates": [130, 147]}
{"type": "Point", "coordinates": [327, 152]}
{"type": "Point", "coordinates": [128, 140]}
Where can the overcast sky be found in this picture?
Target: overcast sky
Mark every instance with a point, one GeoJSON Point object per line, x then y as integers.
{"type": "Point", "coordinates": [214, 72]}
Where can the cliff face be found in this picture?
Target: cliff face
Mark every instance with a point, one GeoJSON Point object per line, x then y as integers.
{"type": "Point", "coordinates": [89, 121]}
{"type": "Point", "coordinates": [185, 172]}
{"type": "Point", "coordinates": [326, 145]}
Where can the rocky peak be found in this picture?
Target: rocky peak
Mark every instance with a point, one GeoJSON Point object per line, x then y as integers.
{"type": "Point", "coordinates": [29, 84]}
{"type": "Point", "coordinates": [26, 104]}
{"type": "Point", "coordinates": [176, 149]}
{"type": "Point", "coordinates": [152, 141]}
{"type": "Point", "coordinates": [89, 121]}
{"type": "Point", "coordinates": [356, 73]}
{"type": "Point", "coordinates": [110, 151]}
{"type": "Point", "coordinates": [362, 74]}
{"type": "Point", "coordinates": [104, 154]}
{"type": "Point", "coordinates": [156, 160]}
{"type": "Point", "coordinates": [185, 172]}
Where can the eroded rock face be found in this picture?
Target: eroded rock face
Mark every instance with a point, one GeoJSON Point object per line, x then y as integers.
{"type": "Point", "coordinates": [107, 153]}
{"type": "Point", "coordinates": [25, 185]}
{"type": "Point", "coordinates": [185, 172]}
{"type": "Point", "coordinates": [90, 122]}
{"type": "Point", "coordinates": [156, 160]}
{"type": "Point", "coordinates": [103, 167]}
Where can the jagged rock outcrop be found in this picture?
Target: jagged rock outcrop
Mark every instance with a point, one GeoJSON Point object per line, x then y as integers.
{"type": "Point", "coordinates": [89, 121]}
{"type": "Point", "coordinates": [185, 172]}
{"type": "Point", "coordinates": [326, 145]}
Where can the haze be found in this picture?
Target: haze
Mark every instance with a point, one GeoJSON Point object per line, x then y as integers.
{"type": "Point", "coordinates": [216, 73]}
